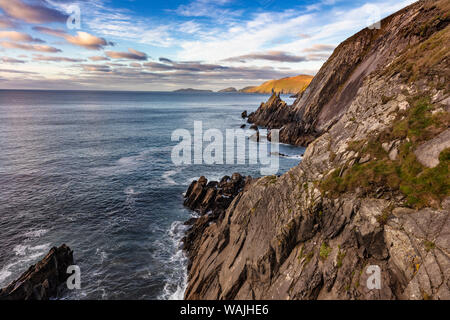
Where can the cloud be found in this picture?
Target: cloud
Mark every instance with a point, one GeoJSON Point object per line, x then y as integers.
{"type": "Point", "coordinates": [28, 47]}
{"type": "Point", "coordinates": [6, 23]}
{"type": "Point", "coordinates": [16, 71]}
{"type": "Point", "coordinates": [50, 31]}
{"type": "Point", "coordinates": [86, 40]}
{"type": "Point", "coordinates": [82, 39]}
{"type": "Point", "coordinates": [18, 36]}
{"type": "Point", "coordinates": [98, 58]}
{"type": "Point", "coordinates": [320, 48]}
{"type": "Point", "coordinates": [278, 56]}
{"type": "Point", "coordinates": [55, 59]}
{"type": "Point", "coordinates": [11, 60]}
{"type": "Point", "coordinates": [135, 65]}
{"type": "Point", "coordinates": [96, 68]}
{"type": "Point", "coordinates": [32, 13]}
{"type": "Point", "coordinates": [165, 60]}
{"type": "Point", "coordinates": [207, 8]}
{"type": "Point", "coordinates": [183, 66]}
{"type": "Point", "coordinates": [130, 55]}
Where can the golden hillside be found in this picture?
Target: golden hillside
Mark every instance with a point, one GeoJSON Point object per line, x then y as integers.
{"type": "Point", "coordinates": [292, 85]}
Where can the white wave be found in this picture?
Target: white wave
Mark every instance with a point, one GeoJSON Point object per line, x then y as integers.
{"type": "Point", "coordinates": [36, 233]}
{"type": "Point", "coordinates": [25, 255]}
{"type": "Point", "coordinates": [176, 281]}
{"type": "Point", "coordinates": [167, 176]}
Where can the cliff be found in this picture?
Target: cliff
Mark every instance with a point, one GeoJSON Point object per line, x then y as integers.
{"type": "Point", "coordinates": [395, 49]}
{"type": "Point", "coordinates": [372, 189]}
{"type": "Point", "coordinates": [291, 85]}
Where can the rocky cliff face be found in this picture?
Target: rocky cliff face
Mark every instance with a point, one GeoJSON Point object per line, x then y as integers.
{"type": "Point", "coordinates": [372, 189]}
{"type": "Point", "coordinates": [41, 281]}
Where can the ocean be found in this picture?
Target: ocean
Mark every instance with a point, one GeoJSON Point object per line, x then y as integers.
{"type": "Point", "coordinates": [94, 170]}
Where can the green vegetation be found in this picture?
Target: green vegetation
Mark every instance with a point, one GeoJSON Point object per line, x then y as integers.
{"type": "Point", "coordinates": [325, 251]}
{"type": "Point", "coordinates": [384, 216]}
{"type": "Point", "coordinates": [340, 257]}
{"type": "Point", "coordinates": [429, 245]}
{"type": "Point", "coordinates": [422, 186]}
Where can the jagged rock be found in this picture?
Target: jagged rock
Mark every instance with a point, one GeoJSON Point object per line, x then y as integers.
{"type": "Point", "coordinates": [254, 127]}
{"type": "Point", "coordinates": [272, 114]}
{"type": "Point", "coordinates": [244, 115]}
{"type": "Point", "coordinates": [243, 126]}
{"type": "Point", "coordinates": [42, 280]}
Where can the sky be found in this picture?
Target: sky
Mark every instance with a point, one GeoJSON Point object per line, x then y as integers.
{"type": "Point", "coordinates": [143, 45]}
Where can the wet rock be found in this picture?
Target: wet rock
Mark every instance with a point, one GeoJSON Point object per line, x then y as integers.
{"type": "Point", "coordinates": [244, 115]}
{"type": "Point", "coordinates": [42, 280]}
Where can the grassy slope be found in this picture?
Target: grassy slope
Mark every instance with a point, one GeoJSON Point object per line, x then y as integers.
{"type": "Point", "coordinates": [291, 85]}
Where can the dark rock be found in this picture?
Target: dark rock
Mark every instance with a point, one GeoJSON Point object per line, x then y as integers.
{"type": "Point", "coordinates": [244, 115]}
{"type": "Point", "coordinates": [254, 127]}
{"type": "Point", "coordinates": [42, 280]}
{"type": "Point", "coordinates": [203, 196]}
{"type": "Point", "coordinates": [243, 126]}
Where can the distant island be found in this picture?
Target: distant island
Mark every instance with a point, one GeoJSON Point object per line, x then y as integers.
{"type": "Point", "coordinates": [190, 90]}
{"type": "Point", "coordinates": [228, 90]}
{"type": "Point", "coordinates": [290, 85]}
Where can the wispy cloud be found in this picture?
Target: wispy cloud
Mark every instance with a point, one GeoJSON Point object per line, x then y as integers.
{"type": "Point", "coordinates": [98, 58]}
{"type": "Point", "coordinates": [6, 22]}
{"type": "Point", "coordinates": [82, 39]}
{"type": "Point", "coordinates": [320, 48]}
{"type": "Point", "coordinates": [130, 55]}
{"type": "Point", "coordinates": [207, 8]}
{"type": "Point", "coordinates": [55, 59]}
{"type": "Point", "coordinates": [11, 60]}
{"type": "Point", "coordinates": [18, 36]}
{"type": "Point", "coordinates": [28, 47]}
{"type": "Point", "coordinates": [278, 56]}
{"type": "Point", "coordinates": [39, 12]}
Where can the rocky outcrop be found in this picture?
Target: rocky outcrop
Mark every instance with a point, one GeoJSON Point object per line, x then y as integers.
{"type": "Point", "coordinates": [272, 114]}
{"type": "Point", "coordinates": [42, 280]}
{"type": "Point", "coordinates": [337, 83]}
{"type": "Point", "coordinates": [210, 200]}
{"type": "Point", "coordinates": [360, 197]}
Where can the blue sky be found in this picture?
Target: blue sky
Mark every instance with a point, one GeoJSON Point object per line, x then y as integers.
{"type": "Point", "coordinates": [167, 45]}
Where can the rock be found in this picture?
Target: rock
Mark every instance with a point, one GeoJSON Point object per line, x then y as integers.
{"type": "Point", "coordinates": [204, 197]}
{"type": "Point", "coordinates": [243, 126]}
{"type": "Point", "coordinates": [272, 114]}
{"type": "Point", "coordinates": [244, 115]}
{"type": "Point", "coordinates": [393, 154]}
{"type": "Point", "coordinates": [254, 127]}
{"type": "Point", "coordinates": [428, 153]}
{"type": "Point", "coordinates": [42, 280]}
{"type": "Point", "coordinates": [364, 159]}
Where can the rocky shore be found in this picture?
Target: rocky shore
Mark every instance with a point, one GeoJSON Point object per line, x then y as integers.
{"type": "Point", "coordinates": [42, 280]}
{"type": "Point", "coordinates": [364, 194]}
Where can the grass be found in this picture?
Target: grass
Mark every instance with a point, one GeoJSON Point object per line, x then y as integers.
{"type": "Point", "coordinates": [325, 251]}
{"type": "Point", "coordinates": [340, 257]}
{"type": "Point", "coordinates": [429, 245]}
{"type": "Point", "coordinates": [414, 64]}
{"type": "Point", "coordinates": [423, 187]}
